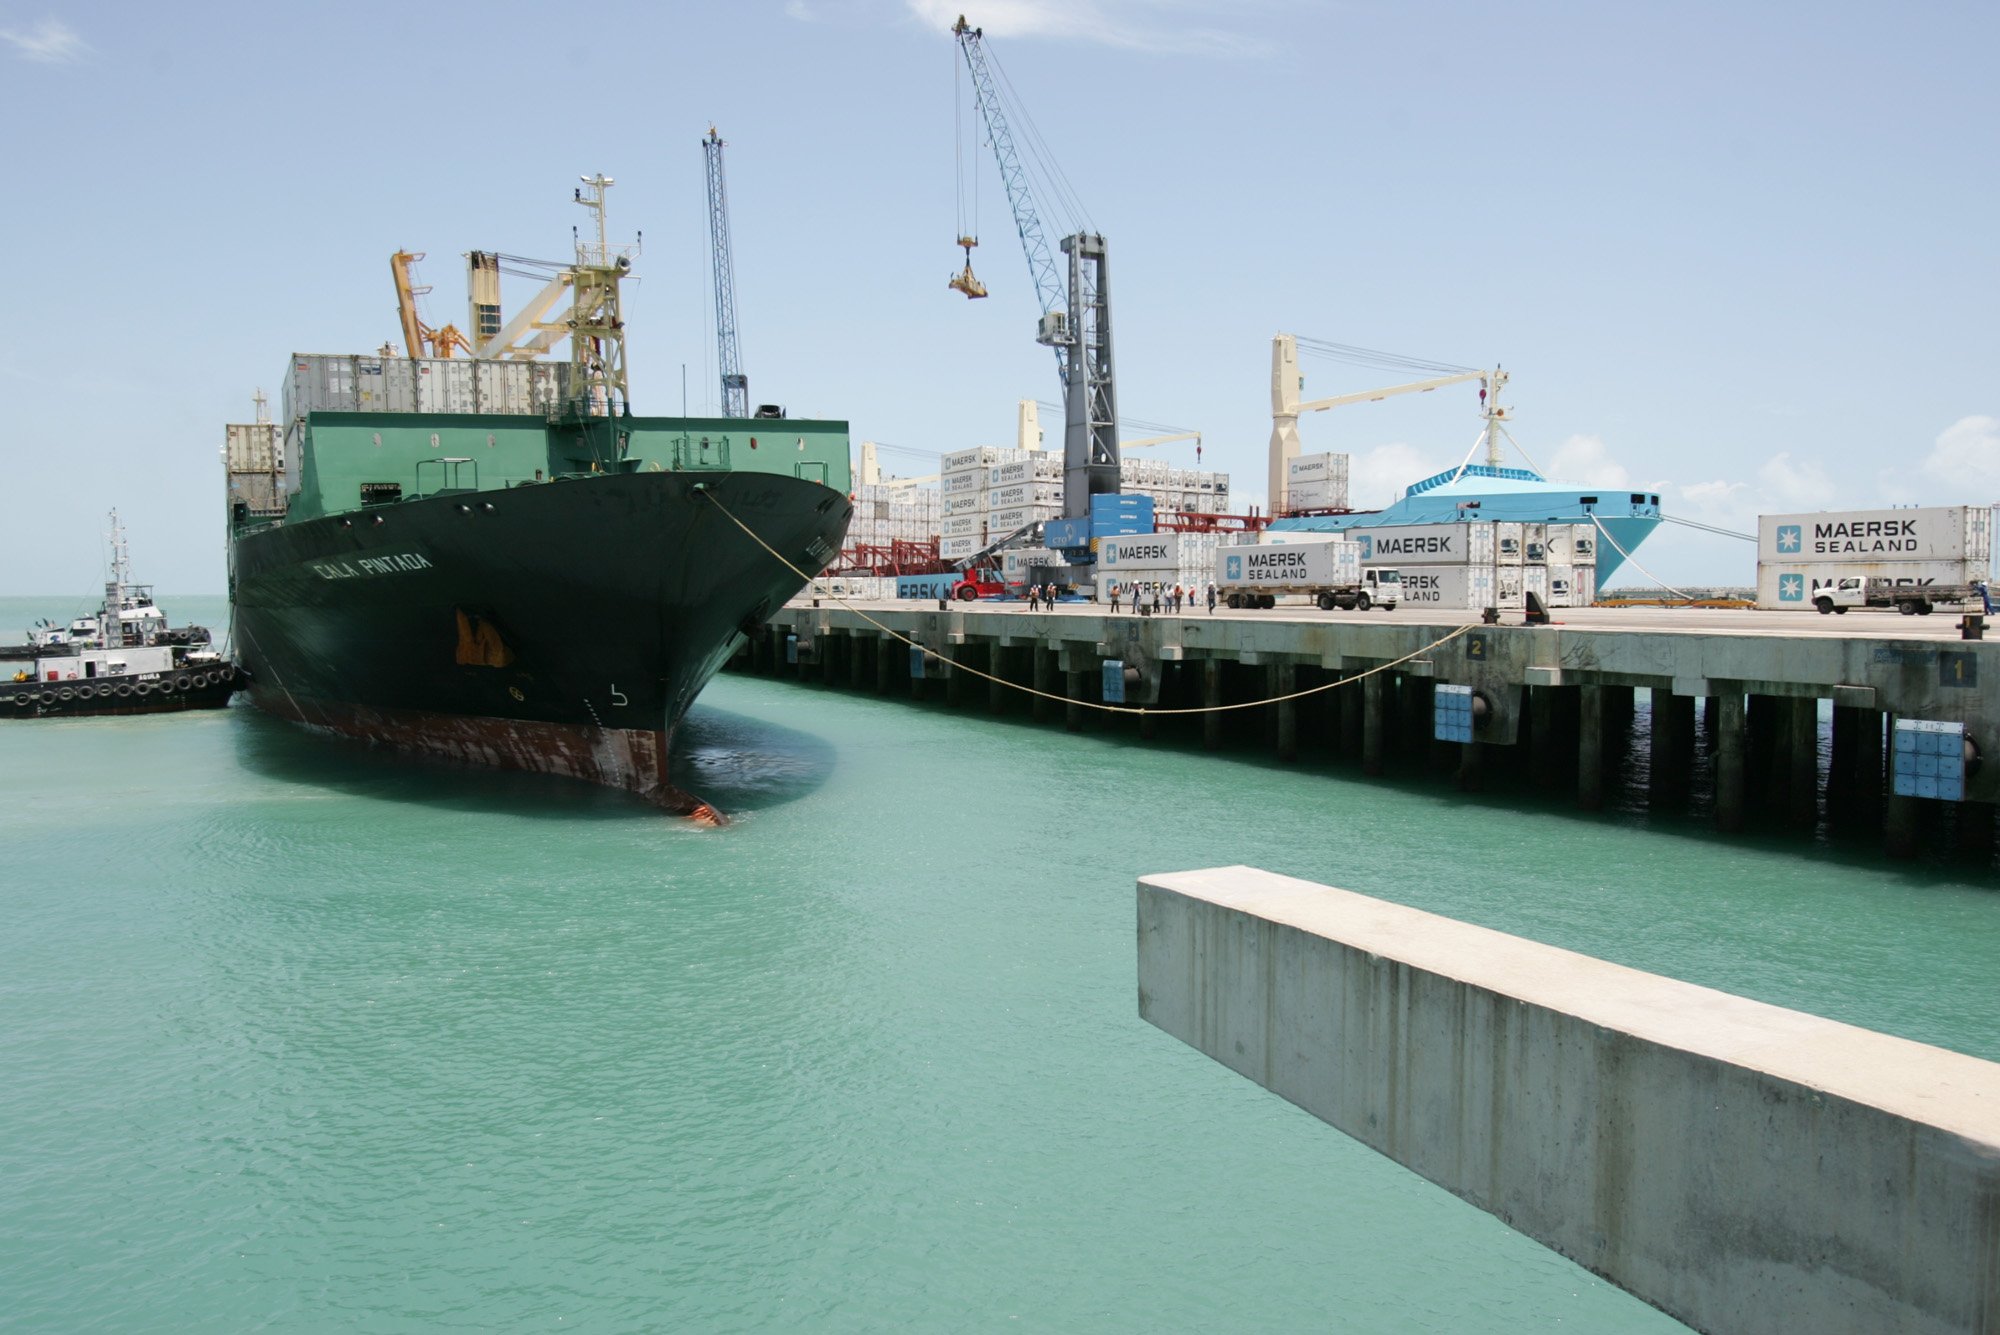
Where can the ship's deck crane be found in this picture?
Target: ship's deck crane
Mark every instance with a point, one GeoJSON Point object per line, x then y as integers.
{"type": "Point", "coordinates": [1286, 406]}
{"type": "Point", "coordinates": [729, 357]}
{"type": "Point", "coordinates": [419, 339]}
{"type": "Point", "coordinates": [1075, 320]}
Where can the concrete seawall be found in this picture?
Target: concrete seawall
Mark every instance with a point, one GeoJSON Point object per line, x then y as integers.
{"type": "Point", "coordinates": [1732, 697]}
{"type": "Point", "coordinates": [1740, 1166]}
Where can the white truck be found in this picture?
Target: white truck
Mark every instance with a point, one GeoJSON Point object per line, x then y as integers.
{"type": "Point", "coordinates": [1910, 599]}
{"type": "Point", "coordinates": [1328, 572]}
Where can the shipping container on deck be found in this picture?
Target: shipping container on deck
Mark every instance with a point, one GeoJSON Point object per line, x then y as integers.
{"type": "Point", "coordinates": [1508, 542]}
{"type": "Point", "coordinates": [965, 503]}
{"type": "Point", "coordinates": [962, 526]}
{"type": "Point", "coordinates": [253, 447]}
{"type": "Point", "coordinates": [957, 549]}
{"type": "Point", "coordinates": [1942, 533]}
{"type": "Point", "coordinates": [970, 481]}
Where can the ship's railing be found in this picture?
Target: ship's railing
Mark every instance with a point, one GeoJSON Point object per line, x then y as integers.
{"type": "Point", "coordinates": [701, 452]}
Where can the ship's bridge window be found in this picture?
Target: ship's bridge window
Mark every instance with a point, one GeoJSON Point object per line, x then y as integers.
{"type": "Point", "coordinates": [1586, 500]}
{"type": "Point", "coordinates": [1638, 498]}
{"type": "Point", "coordinates": [1656, 500]}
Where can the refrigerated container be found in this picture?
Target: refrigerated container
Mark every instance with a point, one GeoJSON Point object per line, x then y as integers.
{"type": "Point", "coordinates": [1942, 533]}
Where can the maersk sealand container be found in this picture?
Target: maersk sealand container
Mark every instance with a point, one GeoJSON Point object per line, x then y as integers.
{"type": "Point", "coordinates": [1944, 533]}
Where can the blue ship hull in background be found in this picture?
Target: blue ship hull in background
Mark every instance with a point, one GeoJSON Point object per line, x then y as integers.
{"type": "Point", "coordinates": [1485, 492]}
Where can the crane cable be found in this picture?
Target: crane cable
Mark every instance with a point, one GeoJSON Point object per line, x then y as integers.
{"type": "Point", "coordinates": [929, 652]}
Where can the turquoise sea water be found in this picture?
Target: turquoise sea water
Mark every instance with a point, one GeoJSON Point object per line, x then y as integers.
{"type": "Point", "coordinates": [298, 1036]}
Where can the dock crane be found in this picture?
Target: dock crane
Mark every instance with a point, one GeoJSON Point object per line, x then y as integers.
{"type": "Point", "coordinates": [1075, 319]}
{"type": "Point", "coordinates": [419, 339]}
{"type": "Point", "coordinates": [1286, 407]}
{"type": "Point", "coordinates": [735, 385]}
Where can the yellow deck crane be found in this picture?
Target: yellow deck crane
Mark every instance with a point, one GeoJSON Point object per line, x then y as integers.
{"type": "Point", "coordinates": [419, 339]}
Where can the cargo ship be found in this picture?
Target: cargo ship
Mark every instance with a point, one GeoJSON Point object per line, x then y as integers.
{"type": "Point", "coordinates": [1307, 501]}
{"type": "Point", "coordinates": [489, 558]}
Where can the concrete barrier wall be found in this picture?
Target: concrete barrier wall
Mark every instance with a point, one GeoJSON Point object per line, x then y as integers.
{"type": "Point", "coordinates": [1740, 1166]}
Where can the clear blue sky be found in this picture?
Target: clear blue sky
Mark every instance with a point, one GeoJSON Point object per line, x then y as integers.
{"type": "Point", "coordinates": [1741, 254]}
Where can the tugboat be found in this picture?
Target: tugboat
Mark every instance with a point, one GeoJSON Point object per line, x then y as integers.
{"type": "Point", "coordinates": [124, 660]}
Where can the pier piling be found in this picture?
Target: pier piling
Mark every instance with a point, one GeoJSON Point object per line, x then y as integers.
{"type": "Point", "coordinates": [1730, 729]}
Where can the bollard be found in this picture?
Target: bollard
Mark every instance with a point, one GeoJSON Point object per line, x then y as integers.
{"type": "Point", "coordinates": [1972, 626]}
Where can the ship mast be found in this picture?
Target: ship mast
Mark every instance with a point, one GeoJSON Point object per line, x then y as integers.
{"type": "Point", "coordinates": [596, 322]}
{"type": "Point", "coordinates": [111, 628]}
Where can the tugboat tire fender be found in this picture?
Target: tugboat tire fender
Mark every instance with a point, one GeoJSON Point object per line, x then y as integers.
{"type": "Point", "coordinates": [181, 683]}
{"type": "Point", "coordinates": [144, 688]}
{"type": "Point", "coordinates": [66, 693]}
{"type": "Point", "coordinates": [123, 688]}
{"type": "Point", "coordinates": [85, 692]}
{"type": "Point", "coordinates": [48, 697]}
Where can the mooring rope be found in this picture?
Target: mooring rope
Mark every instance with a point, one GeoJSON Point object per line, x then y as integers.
{"type": "Point", "coordinates": [1635, 561]}
{"type": "Point", "coordinates": [955, 666]}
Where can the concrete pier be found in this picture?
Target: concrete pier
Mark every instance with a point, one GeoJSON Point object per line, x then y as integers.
{"type": "Point", "coordinates": [1556, 702]}
{"type": "Point", "coordinates": [1742, 1167]}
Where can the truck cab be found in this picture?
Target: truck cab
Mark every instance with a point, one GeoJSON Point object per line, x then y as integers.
{"type": "Point", "coordinates": [1383, 587]}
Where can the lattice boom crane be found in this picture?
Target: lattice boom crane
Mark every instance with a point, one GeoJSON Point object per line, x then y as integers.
{"type": "Point", "coordinates": [735, 384]}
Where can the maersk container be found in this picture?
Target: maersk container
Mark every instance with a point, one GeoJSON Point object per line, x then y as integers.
{"type": "Point", "coordinates": [1789, 586]}
{"type": "Point", "coordinates": [953, 549]}
{"type": "Point", "coordinates": [980, 458]}
{"type": "Point", "coordinates": [1002, 522]}
{"type": "Point", "coordinates": [1508, 542]}
{"type": "Point", "coordinates": [1148, 551]}
{"type": "Point", "coordinates": [959, 484]}
{"type": "Point", "coordinates": [964, 503]}
{"type": "Point", "coordinates": [1426, 544]}
{"type": "Point", "coordinates": [1448, 587]}
{"type": "Point", "coordinates": [1962, 533]}
{"type": "Point", "coordinates": [962, 526]}
{"type": "Point", "coordinates": [1290, 566]}
{"type": "Point", "coordinates": [1535, 580]}
{"type": "Point", "coordinates": [1023, 493]}
{"type": "Point", "coordinates": [1316, 467]}
{"type": "Point", "coordinates": [1039, 466]}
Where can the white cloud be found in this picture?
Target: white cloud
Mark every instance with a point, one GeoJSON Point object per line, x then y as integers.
{"type": "Point", "coordinates": [1585, 461]}
{"type": "Point", "coordinates": [1967, 457]}
{"type": "Point", "coordinates": [1377, 478]}
{"type": "Point", "coordinates": [1796, 485]}
{"type": "Point", "coordinates": [1137, 25]}
{"type": "Point", "coordinates": [48, 42]}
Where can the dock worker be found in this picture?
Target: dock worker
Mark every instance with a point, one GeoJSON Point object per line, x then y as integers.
{"type": "Point", "coordinates": [1114, 595]}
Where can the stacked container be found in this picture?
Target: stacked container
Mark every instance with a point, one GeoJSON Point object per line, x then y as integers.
{"type": "Point", "coordinates": [1175, 490]}
{"type": "Point", "coordinates": [886, 515]}
{"type": "Point", "coordinates": [1479, 564]}
{"type": "Point", "coordinates": [1316, 482]}
{"type": "Point", "coordinates": [1945, 546]}
{"type": "Point", "coordinates": [966, 500]}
